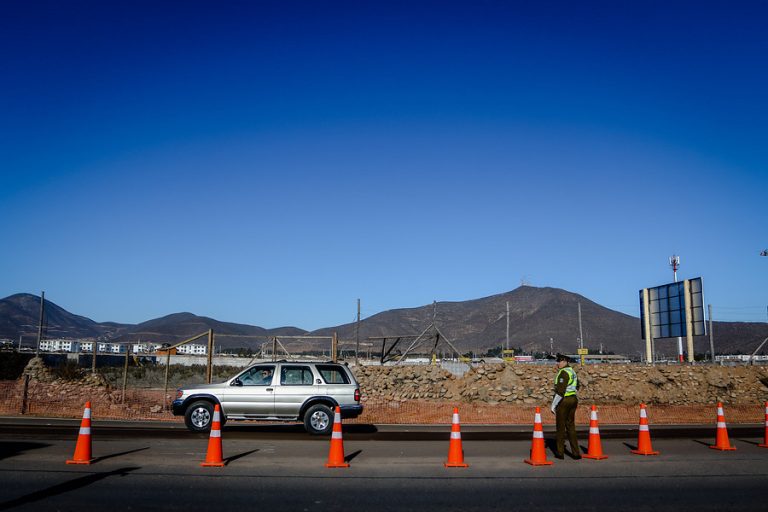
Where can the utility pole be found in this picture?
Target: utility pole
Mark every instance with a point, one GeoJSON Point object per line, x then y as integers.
{"type": "Point", "coordinates": [40, 324]}
{"type": "Point", "coordinates": [357, 334]}
{"type": "Point", "coordinates": [711, 335]}
{"type": "Point", "coordinates": [507, 329]}
{"type": "Point", "coordinates": [581, 339]}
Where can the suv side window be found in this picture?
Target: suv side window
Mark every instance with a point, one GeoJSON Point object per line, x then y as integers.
{"type": "Point", "coordinates": [296, 376]}
{"type": "Point", "coordinates": [257, 376]}
{"type": "Point", "coordinates": [333, 374]}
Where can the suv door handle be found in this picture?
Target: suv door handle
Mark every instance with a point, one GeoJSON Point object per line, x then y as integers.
{"type": "Point", "coordinates": [270, 389]}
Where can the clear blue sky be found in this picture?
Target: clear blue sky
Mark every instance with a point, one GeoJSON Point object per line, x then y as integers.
{"type": "Point", "coordinates": [271, 162]}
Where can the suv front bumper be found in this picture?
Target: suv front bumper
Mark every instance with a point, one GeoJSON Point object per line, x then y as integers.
{"type": "Point", "coordinates": [176, 407]}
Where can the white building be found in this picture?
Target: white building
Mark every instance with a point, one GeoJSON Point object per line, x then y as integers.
{"type": "Point", "coordinates": [194, 349]}
{"type": "Point", "coordinates": [145, 348]}
{"type": "Point", "coordinates": [59, 345]}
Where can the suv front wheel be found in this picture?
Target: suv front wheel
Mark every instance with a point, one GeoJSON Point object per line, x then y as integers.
{"type": "Point", "coordinates": [199, 416]}
{"type": "Point", "coordinates": [318, 420]}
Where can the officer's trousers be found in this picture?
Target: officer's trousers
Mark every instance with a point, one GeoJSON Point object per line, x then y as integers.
{"type": "Point", "coordinates": [566, 423]}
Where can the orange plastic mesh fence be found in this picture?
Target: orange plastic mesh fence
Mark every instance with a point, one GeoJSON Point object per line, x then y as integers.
{"type": "Point", "coordinates": [147, 404]}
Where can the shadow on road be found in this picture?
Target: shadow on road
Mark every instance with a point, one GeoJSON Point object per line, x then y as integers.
{"type": "Point", "coordinates": [105, 457]}
{"type": "Point", "coordinates": [630, 446]}
{"type": "Point", "coordinates": [11, 448]}
{"type": "Point", "coordinates": [72, 485]}
{"type": "Point", "coordinates": [352, 455]}
{"type": "Point", "coordinates": [239, 456]}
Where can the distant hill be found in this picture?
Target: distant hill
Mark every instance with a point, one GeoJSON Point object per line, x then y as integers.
{"type": "Point", "coordinates": [19, 315]}
{"type": "Point", "coordinates": [179, 326]}
{"type": "Point", "coordinates": [536, 315]}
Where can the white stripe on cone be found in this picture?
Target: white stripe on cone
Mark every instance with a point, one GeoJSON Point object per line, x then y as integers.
{"type": "Point", "coordinates": [720, 424]}
{"type": "Point", "coordinates": [594, 430]}
{"type": "Point", "coordinates": [593, 416]}
{"type": "Point", "coordinates": [336, 435]}
{"type": "Point", "coordinates": [85, 431]}
{"type": "Point", "coordinates": [216, 416]}
{"type": "Point", "coordinates": [644, 428]}
{"type": "Point", "coordinates": [537, 418]}
{"type": "Point", "coordinates": [720, 411]}
{"type": "Point", "coordinates": [337, 417]}
{"type": "Point", "coordinates": [87, 414]}
{"type": "Point", "coordinates": [455, 435]}
{"type": "Point", "coordinates": [538, 434]}
{"type": "Point", "coordinates": [215, 433]}
{"type": "Point", "coordinates": [456, 418]}
{"type": "Point", "coordinates": [643, 414]}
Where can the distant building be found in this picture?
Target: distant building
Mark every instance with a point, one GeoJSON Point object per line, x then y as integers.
{"type": "Point", "coordinates": [193, 349]}
{"type": "Point", "coordinates": [59, 345]}
{"type": "Point", "coordinates": [740, 358]}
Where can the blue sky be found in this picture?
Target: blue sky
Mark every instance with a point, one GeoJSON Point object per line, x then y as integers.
{"type": "Point", "coordinates": [271, 162]}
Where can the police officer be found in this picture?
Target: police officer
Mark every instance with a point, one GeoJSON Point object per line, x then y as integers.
{"type": "Point", "coordinates": [564, 406]}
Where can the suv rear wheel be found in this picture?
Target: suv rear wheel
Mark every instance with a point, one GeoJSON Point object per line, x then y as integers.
{"type": "Point", "coordinates": [318, 420]}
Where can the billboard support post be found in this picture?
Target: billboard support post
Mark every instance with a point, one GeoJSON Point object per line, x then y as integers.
{"type": "Point", "coordinates": [648, 332]}
{"type": "Point", "coordinates": [688, 319]}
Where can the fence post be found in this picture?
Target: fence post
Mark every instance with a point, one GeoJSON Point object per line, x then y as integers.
{"type": "Point", "coordinates": [125, 370]}
{"type": "Point", "coordinates": [167, 366]}
{"type": "Point", "coordinates": [25, 394]}
{"type": "Point", "coordinates": [335, 348]}
{"type": "Point", "coordinates": [209, 369]}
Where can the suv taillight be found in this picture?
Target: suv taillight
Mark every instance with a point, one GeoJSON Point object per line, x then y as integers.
{"type": "Point", "coordinates": [179, 393]}
{"type": "Point", "coordinates": [357, 395]}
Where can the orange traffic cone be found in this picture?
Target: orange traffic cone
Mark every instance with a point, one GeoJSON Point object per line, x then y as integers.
{"type": "Point", "coordinates": [336, 454]}
{"type": "Point", "coordinates": [538, 450]}
{"type": "Point", "coordinates": [455, 451]}
{"type": "Point", "coordinates": [765, 440]}
{"type": "Point", "coordinates": [595, 450]}
{"type": "Point", "coordinates": [644, 435]}
{"type": "Point", "coordinates": [721, 440]}
{"type": "Point", "coordinates": [215, 456]}
{"type": "Point", "coordinates": [83, 447]}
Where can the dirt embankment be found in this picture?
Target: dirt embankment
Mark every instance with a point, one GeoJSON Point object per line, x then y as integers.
{"type": "Point", "coordinates": [602, 384]}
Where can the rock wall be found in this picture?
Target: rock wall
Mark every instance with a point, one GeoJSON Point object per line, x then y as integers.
{"type": "Point", "coordinates": [601, 384]}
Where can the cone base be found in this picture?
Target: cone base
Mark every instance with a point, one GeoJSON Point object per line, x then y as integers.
{"type": "Point", "coordinates": [763, 445]}
{"type": "Point", "coordinates": [723, 448]}
{"type": "Point", "coordinates": [595, 457]}
{"type": "Point", "coordinates": [638, 452]}
{"type": "Point", "coordinates": [87, 461]}
{"type": "Point", "coordinates": [212, 464]}
{"type": "Point", "coordinates": [338, 465]}
{"type": "Point", "coordinates": [455, 465]}
{"type": "Point", "coordinates": [538, 462]}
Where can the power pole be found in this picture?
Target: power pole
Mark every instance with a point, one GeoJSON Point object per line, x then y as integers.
{"type": "Point", "coordinates": [357, 334]}
{"type": "Point", "coordinates": [581, 331]}
{"type": "Point", "coordinates": [711, 334]}
{"type": "Point", "coordinates": [40, 324]}
{"type": "Point", "coordinates": [507, 329]}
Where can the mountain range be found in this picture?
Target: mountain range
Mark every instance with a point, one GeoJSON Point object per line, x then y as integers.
{"type": "Point", "coordinates": [540, 319]}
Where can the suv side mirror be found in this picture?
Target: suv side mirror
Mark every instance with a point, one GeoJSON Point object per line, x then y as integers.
{"type": "Point", "coordinates": [236, 382]}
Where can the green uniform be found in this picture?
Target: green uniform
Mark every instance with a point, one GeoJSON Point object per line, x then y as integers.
{"type": "Point", "coordinates": [566, 384]}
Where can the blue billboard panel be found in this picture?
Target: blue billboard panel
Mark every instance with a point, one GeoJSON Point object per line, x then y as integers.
{"type": "Point", "coordinates": [666, 304]}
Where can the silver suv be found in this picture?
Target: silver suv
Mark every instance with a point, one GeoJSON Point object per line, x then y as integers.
{"type": "Point", "coordinates": [275, 391]}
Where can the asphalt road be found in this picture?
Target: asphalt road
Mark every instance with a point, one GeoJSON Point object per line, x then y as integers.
{"type": "Point", "coordinates": [284, 470]}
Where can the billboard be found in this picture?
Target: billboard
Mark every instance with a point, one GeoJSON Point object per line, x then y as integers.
{"type": "Point", "coordinates": [667, 310]}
